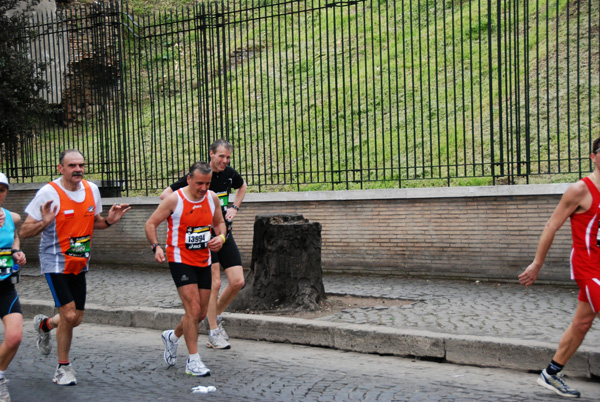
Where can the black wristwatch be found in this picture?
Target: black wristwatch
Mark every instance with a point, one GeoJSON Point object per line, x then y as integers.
{"type": "Point", "coordinates": [235, 207]}
{"type": "Point", "coordinates": [154, 247]}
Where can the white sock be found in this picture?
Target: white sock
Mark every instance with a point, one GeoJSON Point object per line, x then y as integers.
{"type": "Point", "coordinates": [2, 372]}
{"type": "Point", "coordinates": [213, 332]}
{"type": "Point", "coordinates": [195, 356]}
{"type": "Point", "coordinates": [219, 318]}
{"type": "Point", "coordinates": [173, 338]}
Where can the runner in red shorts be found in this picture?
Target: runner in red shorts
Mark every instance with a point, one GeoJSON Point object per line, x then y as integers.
{"type": "Point", "coordinates": [580, 203]}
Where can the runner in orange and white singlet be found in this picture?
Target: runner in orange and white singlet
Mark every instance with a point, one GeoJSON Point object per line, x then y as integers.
{"type": "Point", "coordinates": [66, 212]}
{"type": "Point", "coordinates": [188, 231]}
{"type": "Point", "coordinates": [191, 212]}
{"type": "Point", "coordinates": [74, 225]}
{"type": "Point", "coordinates": [224, 179]}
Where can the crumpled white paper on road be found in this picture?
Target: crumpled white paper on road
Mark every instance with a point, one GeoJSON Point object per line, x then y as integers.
{"type": "Point", "coordinates": [201, 389]}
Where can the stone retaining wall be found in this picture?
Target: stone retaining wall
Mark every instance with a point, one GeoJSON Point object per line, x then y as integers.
{"type": "Point", "coordinates": [467, 232]}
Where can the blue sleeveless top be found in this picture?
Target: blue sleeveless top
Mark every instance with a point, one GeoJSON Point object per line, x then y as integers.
{"type": "Point", "coordinates": [7, 238]}
{"type": "Point", "coordinates": [7, 231]}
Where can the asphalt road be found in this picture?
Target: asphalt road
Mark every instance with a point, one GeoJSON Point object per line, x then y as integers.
{"type": "Point", "coordinates": [126, 364]}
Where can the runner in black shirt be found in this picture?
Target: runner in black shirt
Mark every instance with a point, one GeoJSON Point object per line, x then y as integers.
{"type": "Point", "coordinates": [224, 179]}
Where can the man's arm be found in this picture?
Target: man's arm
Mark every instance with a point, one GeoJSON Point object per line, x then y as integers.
{"type": "Point", "coordinates": [115, 214]}
{"type": "Point", "coordinates": [32, 227]}
{"type": "Point", "coordinates": [180, 183]}
{"type": "Point", "coordinates": [162, 212]}
{"type": "Point", "coordinates": [570, 201]}
{"type": "Point", "coordinates": [166, 192]}
{"type": "Point", "coordinates": [239, 198]}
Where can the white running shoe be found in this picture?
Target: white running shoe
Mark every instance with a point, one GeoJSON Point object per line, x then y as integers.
{"type": "Point", "coordinates": [65, 375]}
{"type": "Point", "coordinates": [217, 341]}
{"type": "Point", "coordinates": [4, 395]}
{"type": "Point", "coordinates": [170, 354]}
{"type": "Point", "coordinates": [196, 368]}
{"type": "Point", "coordinates": [557, 384]}
{"type": "Point", "coordinates": [221, 329]}
{"type": "Point", "coordinates": [43, 340]}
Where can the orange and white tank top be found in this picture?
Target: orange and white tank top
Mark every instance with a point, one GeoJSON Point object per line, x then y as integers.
{"type": "Point", "coordinates": [73, 234]}
{"type": "Point", "coordinates": [188, 230]}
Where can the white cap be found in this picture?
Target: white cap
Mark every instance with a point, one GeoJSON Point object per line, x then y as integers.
{"type": "Point", "coordinates": [3, 179]}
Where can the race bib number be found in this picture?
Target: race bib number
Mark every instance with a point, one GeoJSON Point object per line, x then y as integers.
{"type": "Point", "coordinates": [80, 246]}
{"type": "Point", "coordinates": [196, 238]}
{"type": "Point", "coordinates": [6, 260]}
{"type": "Point", "coordinates": [223, 198]}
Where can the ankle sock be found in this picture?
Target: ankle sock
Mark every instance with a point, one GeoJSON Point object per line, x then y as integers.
{"type": "Point", "coordinates": [554, 368]}
{"type": "Point", "coordinates": [44, 325]}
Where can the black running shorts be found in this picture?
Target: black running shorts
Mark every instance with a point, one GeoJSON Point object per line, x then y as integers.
{"type": "Point", "coordinates": [66, 288]}
{"type": "Point", "coordinates": [9, 300]}
{"type": "Point", "coordinates": [229, 255]}
{"type": "Point", "coordinates": [184, 274]}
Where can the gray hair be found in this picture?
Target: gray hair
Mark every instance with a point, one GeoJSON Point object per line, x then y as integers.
{"type": "Point", "coordinates": [202, 167]}
{"type": "Point", "coordinates": [64, 153]}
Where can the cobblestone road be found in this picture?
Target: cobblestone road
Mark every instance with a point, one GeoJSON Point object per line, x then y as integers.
{"type": "Point", "coordinates": [504, 310]}
{"type": "Point", "coordinates": [125, 364]}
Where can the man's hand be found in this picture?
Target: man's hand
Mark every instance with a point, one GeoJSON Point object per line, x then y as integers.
{"type": "Point", "coordinates": [159, 254]}
{"type": "Point", "coordinates": [48, 213]}
{"type": "Point", "coordinates": [529, 276]}
{"type": "Point", "coordinates": [231, 213]}
{"type": "Point", "coordinates": [116, 212]}
{"type": "Point", "coordinates": [216, 243]}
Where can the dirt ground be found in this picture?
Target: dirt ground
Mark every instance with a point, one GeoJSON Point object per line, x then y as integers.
{"type": "Point", "coordinates": [336, 303]}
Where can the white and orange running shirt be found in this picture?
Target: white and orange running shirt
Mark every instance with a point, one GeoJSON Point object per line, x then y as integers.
{"type": "Point", "coordinates": [65, 243]}
{"type": "Point", "coordinates": [585, 253]}
{"type": "Point", "coordinates": [188, 230]}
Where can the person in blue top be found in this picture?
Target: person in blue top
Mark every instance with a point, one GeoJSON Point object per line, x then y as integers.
{"type": "Point", "coordinates": [10, 308]}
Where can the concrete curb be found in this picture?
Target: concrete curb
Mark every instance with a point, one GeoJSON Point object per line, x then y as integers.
{"type": "Point", "coordinates": [508, 353]}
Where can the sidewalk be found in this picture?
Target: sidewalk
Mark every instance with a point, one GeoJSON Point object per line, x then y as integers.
{"type": "Point", "coordinates": [485, 324]}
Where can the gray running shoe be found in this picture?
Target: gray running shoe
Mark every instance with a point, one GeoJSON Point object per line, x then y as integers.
{"type": "Point", "coordinates": [4, 395]}
{"type": "Point", "coordinates": [170, 354]}
{"type": "Point", "coordinates": [217, 341]}
{"type": "Point", "coordinates": [65, 375]}
{"type": "Point", "coordinates": [43, 340]}
{"type": "Point", "coordinates": [557, 384]}
{"type": "Point", "coordinates": [221, 329]}
{"type": "Point", "coordinates": [196, 368]}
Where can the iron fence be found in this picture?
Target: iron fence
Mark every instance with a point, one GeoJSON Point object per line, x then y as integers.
{"type": "Point", "coordinates": [320, 95]}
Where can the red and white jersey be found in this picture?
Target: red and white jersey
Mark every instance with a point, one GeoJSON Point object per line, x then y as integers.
{"type": "Point", "coordinates": [585, 254]}
{"type": "Point", "coordinates": [189, 230]}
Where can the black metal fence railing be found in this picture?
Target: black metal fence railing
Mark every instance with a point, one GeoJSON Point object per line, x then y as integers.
{"type": "Point", "coordinates": [323, 94]}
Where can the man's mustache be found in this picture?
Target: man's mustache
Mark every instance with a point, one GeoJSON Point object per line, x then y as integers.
{"type": "Point", "coordinates": [77, 174]}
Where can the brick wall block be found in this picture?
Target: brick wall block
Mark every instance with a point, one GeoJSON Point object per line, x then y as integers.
{"type": "Point", "coordinates": [481, 237]}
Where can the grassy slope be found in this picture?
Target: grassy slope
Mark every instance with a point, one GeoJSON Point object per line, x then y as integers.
{"type": "Point", "coordinates": [402, 109]}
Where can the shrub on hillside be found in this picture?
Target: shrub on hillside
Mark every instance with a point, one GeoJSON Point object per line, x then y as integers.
{"type": "Point", "coordinates": [20, 78]}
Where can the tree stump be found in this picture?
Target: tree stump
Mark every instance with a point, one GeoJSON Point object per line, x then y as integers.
{"type": "Point", "coordinates": [285, 272]}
